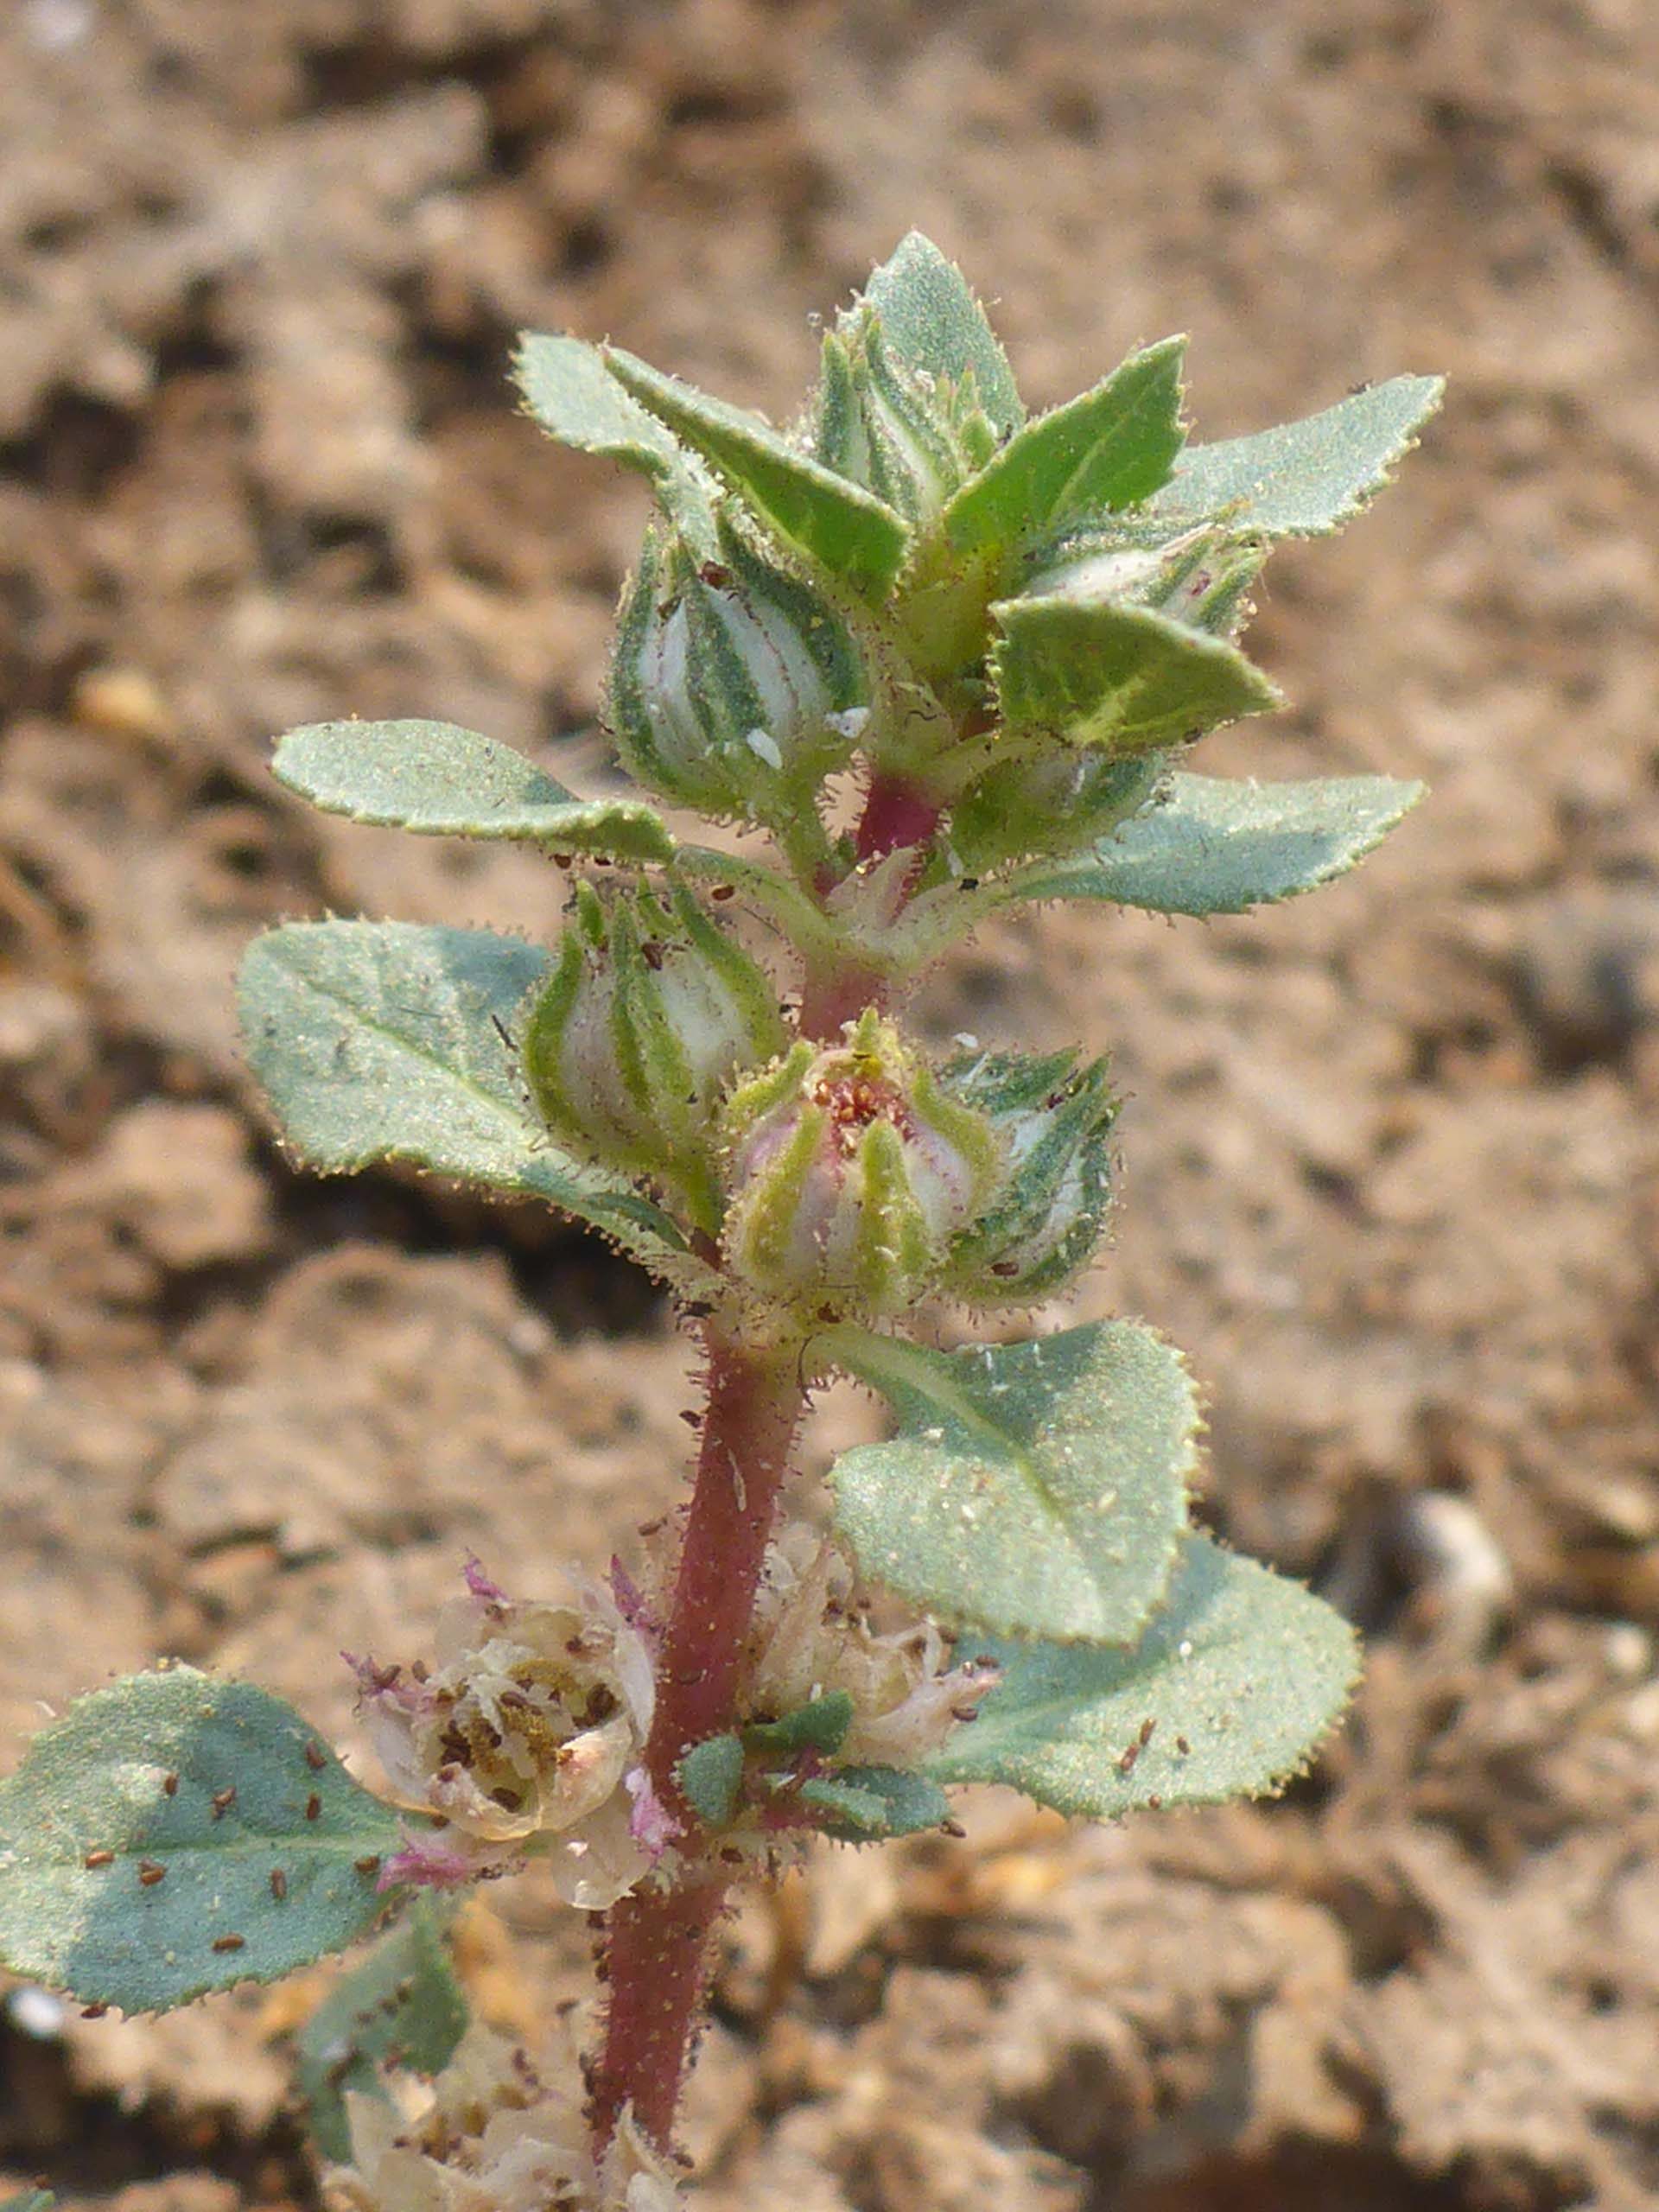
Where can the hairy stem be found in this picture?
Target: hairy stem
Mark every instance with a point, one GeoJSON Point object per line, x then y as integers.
{"type": "Point", "coordinates": [657, 1940]}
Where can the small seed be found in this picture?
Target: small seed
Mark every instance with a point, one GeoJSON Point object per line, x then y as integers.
{"type": "Point", "coordinates": [1183, 1746]}
{"type": "Point", "coordinates": [149, 1873]}
{"type": "Point", "coordinates": [1147, 1727]}
{"type": "Point", "coordinates": [169, 1785]}
{"type": "Point", "coordinates": [93, 2012]}
{"type": "Point", "coordinates": [1155, 1804]}
{"type": "Point", "coordinates": [314, 1807]}
{"type": "Point", "coordinates": [722, 892]}
{"type": "Point", "coordinates": [368, 1864]}
{"type": "Point", "coordinates": [228, 1942]}
{"type": "Point", "coordinates": [98, 1858]}
{"type": "Point", "coordinates": [1126, 1762]}
{"type": "Point", "coordinates": [316, 1758]}
{"type": "Point", "coordinates": [223, 1801]}
{"type": "Point", "coordinates": [278, 1884]}
{"type": "Point", "coordinates": [953, 1828]}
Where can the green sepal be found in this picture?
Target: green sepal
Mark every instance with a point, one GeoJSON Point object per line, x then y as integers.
{"type": "Point", "coordinates": [569, 389]}
{"type": "Point", "coordinates": [1117, 679]}
{"type": "Point", "coordinates": [384, 1041]}
{"type": "Point", "coordinates": [1036, 1489]}
{"type": "Point", "coordinates": [1199, 577]}
{"type": "Point", "coordinates": [403, 2005]}
{"type": "Point", "coordinates": [729, 683]}
{"type": "Point", "coordinates": [1303, 479]}
{"type": "Point", "coordinates": [1241, 1675]}
{"type": "Point", "coordinates": [288, 1861]}
{"type": "Point", "coordinates": [439, 780]}
{"type": "Point", "coordinates": [844, 533]}
{"type": "Point", "coordinates": [879, 430]}
{"type": "Point", "coordinates": [710, 1776]}
{"type": "Point", "coordinates": [932, 321]}
{"type": "Point", "coordinates": [1046, 1223]}
{"type": "Point", "coordinates": [1216, 846]}
{"type": "Point", "coordinates": [650, 1010]}
{"type": "Point", "coordinates": [821, 1725]}
{"type": "Point", "coordinates": [871, 1804]}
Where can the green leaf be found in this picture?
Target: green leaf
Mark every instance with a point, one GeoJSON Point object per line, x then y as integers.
{"type": "Point", "coordinates": [843, 531]}
{"type": "Point", "coordinates": [1240, 1676]}
{"type": "Point", "coordinates": [1303, 479]}
{"type": "Point", "coordinates": [819, 1725]}
{"type": "Point", "coordinates": [570, 392]}
{"type": "Point", "coordinates": [711, 1776]}
{"type": "Point", "coordinates": [441, 781]}
{"type": "Point", "coordinates": [932, 321]}
{"type": "Point", "coordinates": [251, 1883]}
{"type": "Point", "coordinates": [1036, 1489]}
{"type": "Point", "coordinates": [403, 2005]}
{"type": "Point", "coordinates": [868, 1804]}
{"type": "Point", "coordinates": [31, 2200]}
{"type": "Point", "coordinates": [388, 1041]}
{"type": "Point", "coordinates": [1220, 846]}
{"type": "Point", "coordinates": [1108, 448]}
{"type": "Point", "coordinates": [1118, 679]}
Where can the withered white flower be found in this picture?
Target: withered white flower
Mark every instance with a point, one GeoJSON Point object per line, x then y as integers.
{"type": "Point", "coordinates": [814, 1640]}
{"type": "Point", "coordinates": [491, 2137]}
{"type": "Point", "coordinates": [527, 1733]}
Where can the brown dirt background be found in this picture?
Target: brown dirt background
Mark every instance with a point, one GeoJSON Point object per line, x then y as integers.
{"type": "Point", "coordinates": [1391, 1153]}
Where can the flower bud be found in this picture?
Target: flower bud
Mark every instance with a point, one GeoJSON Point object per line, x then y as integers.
{"type": "Point", "coordinates": [1051, 801]}
{"type": "Point", "coordinates": [893, 429]}
{"type": "Point", "coordinates": [652, 1009]}
{"type": "Point", "coordinates": [731, 682]}
{"type": "Point", "coordinates": [1054, 1121]}
{"type": "Point", "coordinates": [850, 1173]}
{"type": "Point", "coordinates": [1199, 578]}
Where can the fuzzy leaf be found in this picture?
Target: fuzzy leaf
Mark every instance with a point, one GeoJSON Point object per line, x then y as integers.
{"type": "Point", "coordinates": [441, 781]}
{"type": "Point", "coordinates": [1221, 847]}
{"type": "Point", "coordinates": [932, 322]}
{"type": "Point", "coordinates": [1303, 479]}
{"type": "Point", "coordinates": [1036, 1489]}
{"type": "Point", "coordinates": [1118, 679]}
{"type": "Point", "coordinates": [98, 1781]}
{"type": "Point", "coordinates": [1248, 1670]}
{"type": "Point", "coordinates": [1109, 448]}
{"type": "Point", "coordinates": [844, 532]}
{"type": "Point", "coordinates": [570, 392]}
{"type": "Point", "coordinates": [402, 2004]}
{"type": "Point", "coordinates": [821, 1725]}
{"type": "Point", "coordinates": [379, 1041]}
{"type": "Point", "coordinates": [867, 1804]}
{"type": "Point", "coordinates": [711, 1777]}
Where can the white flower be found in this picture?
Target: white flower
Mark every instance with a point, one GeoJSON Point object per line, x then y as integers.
{"type": "Point", "coordinates": [816, 1640]}
{"type": "Point", "coordinates": [492, 2137]}
{"type": "Point", "coordinates": [529, 1731]}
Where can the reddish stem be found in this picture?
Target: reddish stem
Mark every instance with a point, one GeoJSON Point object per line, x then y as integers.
{"type": "Point", "coordinates": [895, 814]}
{"type": "Point", "coordinates": [656, 1940]}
